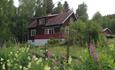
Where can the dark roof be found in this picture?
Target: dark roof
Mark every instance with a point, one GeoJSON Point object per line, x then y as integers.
{"type": "Point", "coordinates": [111, 16]}
{"type": "Point", "coordinates": [107, 30]}
{"type": "Point", "coordinates": [48, 16]}
{"type": "Point", "coordinates": [53, 19]}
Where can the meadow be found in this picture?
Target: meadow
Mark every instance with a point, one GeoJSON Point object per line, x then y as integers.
{"type": "Point", "coordinates": [26, 57]}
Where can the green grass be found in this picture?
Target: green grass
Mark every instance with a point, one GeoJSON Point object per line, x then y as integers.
{"type": "Point", "coordinates": [61, 50]}
{"type": "Point", "coordinates": [80, 55]}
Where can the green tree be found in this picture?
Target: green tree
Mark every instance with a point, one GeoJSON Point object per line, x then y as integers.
{"type": "Point", "coordinates": [59, 8]}
{"type": "Point", "coordinates": [7, 12]}
{"type": "Point", "coordinates": [112, 25]}
{"type": "Point", "coordinates": [93, 31]}
{"type": "Point", "coordinates": [22, 19]}
{"type": "Point", "coordinates": [26, 7]}
{"type": "Point", "coordinates": [76, 33]}
{"type": "Point", "coordinates": [97, 16]}
{"type": "Point", "coordinates": [66, 6]}
{"type": "Point", "coordinates": [49, 6]}
{"type": "Point", "coordinates": [81, 32]}
{"type": "Point", "coordinates": [81, 12]}
{"type": "Point", "coordinates": [39, 9]}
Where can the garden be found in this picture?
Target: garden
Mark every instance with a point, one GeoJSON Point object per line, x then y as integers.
{"type": "Point", "coordinates": [27, 57]}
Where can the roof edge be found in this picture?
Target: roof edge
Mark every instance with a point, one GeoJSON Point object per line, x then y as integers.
{"type": "Point", "coordinates": [68, 16]}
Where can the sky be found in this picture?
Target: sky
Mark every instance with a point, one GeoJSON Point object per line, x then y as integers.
{"type": "Point", "coordinates": [105, 7]}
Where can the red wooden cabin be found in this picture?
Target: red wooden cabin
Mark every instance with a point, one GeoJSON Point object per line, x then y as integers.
{"type": "Point", "coordinates": [47, 27]}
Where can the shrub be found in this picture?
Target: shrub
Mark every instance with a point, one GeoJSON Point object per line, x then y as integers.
{"type": "Point", "coordinates": [54, 41]}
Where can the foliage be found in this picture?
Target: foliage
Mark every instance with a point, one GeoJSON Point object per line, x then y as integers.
{"type": "Point", "coordinates": [59, 8]}
{"type": "Point", "coordinates": [66, 6]}
{"type": "Point", "coordinates": [76, 32]}
{"type": "Point", "coordinates": [105, 21]}
{"type": "Point", "coordinates": [54, 41]}
{"type": "Point", "coordinates": [49, 7]}
{"type": "Point", "coordinates": [81, 12]}
{"type": "Point", "coordinates": [80, 32]}
{"type": "Point", "coordinates": [97, 16]}
{"type": "Point", "coordinates": [93, 31]}
{"type": "Point", "coordinates": [23, 58]}
{"type": "Point", "coordinates": [7, 11]}
{"type": "Point", "coordinates": [112, 25]}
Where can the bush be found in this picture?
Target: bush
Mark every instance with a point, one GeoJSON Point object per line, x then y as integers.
{"type": "Point", "coordinates": [81, 32]}
{"type": "Point", "coordinates": [13, 58]}
{"type": "Point", "coordinates": [54, 41]}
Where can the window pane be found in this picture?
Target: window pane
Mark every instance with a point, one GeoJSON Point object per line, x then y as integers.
{"type": "Point", "coordinates": [33, 32]}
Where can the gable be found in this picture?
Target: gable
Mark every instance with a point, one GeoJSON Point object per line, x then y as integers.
{"type": "Point", "coordinates": [55, 20]}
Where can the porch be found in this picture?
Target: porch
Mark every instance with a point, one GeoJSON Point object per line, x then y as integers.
{"type": "Point", "coordinates": [49, 36]}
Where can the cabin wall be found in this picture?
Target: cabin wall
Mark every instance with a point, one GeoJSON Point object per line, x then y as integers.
{"type": "Point", "coordinates": [40, 42]}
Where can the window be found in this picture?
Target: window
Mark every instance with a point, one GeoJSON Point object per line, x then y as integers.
{"type": "Point", "coordinates": [49, 31]}
{"type": "Point", "coordinates": [71, 20]}
{"type": "Point", "coordinates": [42, 21]}
{"type": "Point", "coordinates": [46, 31]}
{"type": "Point", "coordinates": [33, 32]}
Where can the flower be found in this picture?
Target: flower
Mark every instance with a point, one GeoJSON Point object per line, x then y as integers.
{"type": "Point", "coordinates": [16, 54]}
{"type": "Point", "coordinates": [70, 60]}
{"type": "Point", "coordinates": [20, 67]}
{"type": "Point", "coordinates": [111, 47]}
{"type": "Point", "coordinates": [29, 65]}
{"type": "Point", "coordinates": [35, 58]}
{"type": "Point", "coordinates": [27, 49]}
{"type": "Point", "coordinates": [8, 62]}
{"type": "Point", "coordinates": [46, 67]}
{"type": "Point", "coordinates": [39, 60]}
{"type": "Point", "coordinates": [2, 59]}
{"type": "Point", "coordinates": [85, 50]}
{"type": "Point", "coordinates": [3, 66]}
{"type": "Point", "coordinates": [11, 53]}
{"type": "Point", "coordinates": [25, 68]}
{"type": "Point", "coordinates": [29, 58]}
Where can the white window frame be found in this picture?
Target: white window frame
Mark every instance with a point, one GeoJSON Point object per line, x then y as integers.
{"type": "Point", "coordinates": [33, 32]}
{"type": "Point", "coordinates": [47, 31]}
{"type": "Point", "coordinates": [42, 21]}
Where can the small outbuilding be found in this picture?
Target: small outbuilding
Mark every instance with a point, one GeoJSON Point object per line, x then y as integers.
{"type": "Point", "coordinates": [108, 33]}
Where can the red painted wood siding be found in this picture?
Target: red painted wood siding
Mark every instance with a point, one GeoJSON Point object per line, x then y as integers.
{"type": "Point", "coordinates": [49, 36]}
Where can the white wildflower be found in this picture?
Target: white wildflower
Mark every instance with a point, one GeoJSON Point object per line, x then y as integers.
{"type": "Point", "coordinates": [2, 59]}
{"type": "Point", "coordinates": [70, 60]}
{"type": "Point", "coordinates": [41, 50]}
{"type": "Point", "coordinates": [29, 58]}
{"type": "Point", "coordinates": [27, 49]}
{"type": "Point", "coordinates": [80, 56]}
{"type": "Point", "coordinates": [25, 68]}
{"type": "Point", "coordinates": [46, 67]}
{"type": "Point", "coordinates": [111, 47]}
{"type": "Point", "coordinates": [85, 50]}
{"type": "Point", "coordinates": [29, 65]}
{"type": "Point", "coordinates": [20, 67]}
{"type": "Point", "coordinates": [16, 54]}
{"type": "Point", "coordinates": [8, 62]}
{"type": "Point", "coordinates": [39, 60]}
{"type": "Point", "coordinates": [35, 58]}
{"type": "Point", "coordinates": [11, 53]}
{"type": "Point", "coordinates": [3, 66]}
{"type": "Point", "coordinates": [46, 58]}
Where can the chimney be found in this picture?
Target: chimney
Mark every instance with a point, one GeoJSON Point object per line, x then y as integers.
{"type": "Point", "coordinates": [49, 14]}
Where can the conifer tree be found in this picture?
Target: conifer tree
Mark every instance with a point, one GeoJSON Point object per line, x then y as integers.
{"type": "Point", "coordinates": [59, 8]}
{"type": "Point", "coordinates": [66, 6]}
